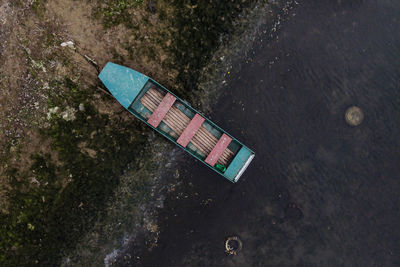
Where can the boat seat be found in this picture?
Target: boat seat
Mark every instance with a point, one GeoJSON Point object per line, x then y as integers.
{"type": "Point", "coordinates": [193, 126]}
{"type": "Point", "coordinates": [162, 109]}
{"type": "Point", "coordinates": [218, 149]}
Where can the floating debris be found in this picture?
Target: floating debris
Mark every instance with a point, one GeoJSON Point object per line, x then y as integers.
{"type": "Point", "coordinates": [354, 116]}
{"type": "Point", "coordinates": [233, 245]}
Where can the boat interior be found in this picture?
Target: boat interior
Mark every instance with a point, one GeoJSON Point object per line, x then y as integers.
{"type": "Point", "coordinates": [179, 122]}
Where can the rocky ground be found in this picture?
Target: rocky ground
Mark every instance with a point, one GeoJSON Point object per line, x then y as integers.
{"type": "Point", "coordinates": [72, 160]}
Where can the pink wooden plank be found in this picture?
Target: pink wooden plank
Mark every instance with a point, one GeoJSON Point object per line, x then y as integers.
{"type": "Point", "coordinates": [219, 148]}
{"type": "Point", "coordinates": [190, 130]}
{"type": "Point", "coordinates": [162, 109]}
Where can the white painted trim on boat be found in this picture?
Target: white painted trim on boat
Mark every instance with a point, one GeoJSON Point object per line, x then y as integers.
{"type": "Point", "coordinates": [243, 168]}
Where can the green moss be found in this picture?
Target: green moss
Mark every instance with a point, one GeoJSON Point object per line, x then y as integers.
{"type": "Point", "coordinates": [39, 7]}
{"type": "Point", "coordinates": [23, 229]}
{"type": "Point", "coordinates": [53, 205]}
{"type": "Point", "coordinates": [115, 12]}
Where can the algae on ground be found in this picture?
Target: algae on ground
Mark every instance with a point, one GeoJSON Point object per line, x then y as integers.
{"type": "Point", "coordinates": [51, 205]}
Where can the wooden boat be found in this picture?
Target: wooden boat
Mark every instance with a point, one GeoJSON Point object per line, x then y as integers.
{"type": "Point", "coordinates": [177, 121]}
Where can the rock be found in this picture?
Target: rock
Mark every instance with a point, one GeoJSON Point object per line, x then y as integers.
{"type": "Point", "coordinates": [69, 44]}
{"type": "Point", "coordinates": [81, 107]}
{"type": "Point", "coordinates": [68, 114]}
{"type": "Point", "coordinates": [52, 111]}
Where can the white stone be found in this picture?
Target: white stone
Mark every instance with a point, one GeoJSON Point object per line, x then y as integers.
{"type": "Point", "coordinates": [69, 44]}
{"type": "Point", "coordinates": [81, 107]}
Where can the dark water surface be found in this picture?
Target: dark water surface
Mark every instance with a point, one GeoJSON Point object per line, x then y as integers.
{"type": "Point", "coordinates": [319, 192]}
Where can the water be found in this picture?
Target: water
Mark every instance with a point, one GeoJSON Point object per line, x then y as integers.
{"type": "Point", "coordinates": [319, 192]}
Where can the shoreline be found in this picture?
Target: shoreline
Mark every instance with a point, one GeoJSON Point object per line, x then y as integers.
{"type": "Point", "coordinates": [213, 81]}
{"type": "Point", "coordinates": [63, 136]}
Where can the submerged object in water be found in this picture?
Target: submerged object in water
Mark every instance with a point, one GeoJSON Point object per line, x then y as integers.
{"type": "Point", "coordinates": [177, 121]}
{"type": "Point", "coordinates": [233, 245]}
{"type": "Point", "coordinates": [354, 116]}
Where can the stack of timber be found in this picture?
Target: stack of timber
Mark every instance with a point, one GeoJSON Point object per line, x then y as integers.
{"type": "Point", "coordinates": [203, 140]}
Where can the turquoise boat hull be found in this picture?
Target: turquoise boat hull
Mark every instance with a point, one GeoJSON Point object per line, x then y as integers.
{"type": "Point", "coordinates": [170, 116]}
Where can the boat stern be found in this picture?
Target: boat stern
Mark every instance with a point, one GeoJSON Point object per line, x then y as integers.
{"type": "Point", "coordinates": [123, 83]}
{"type": "Point", "coordinates": [239, 164]}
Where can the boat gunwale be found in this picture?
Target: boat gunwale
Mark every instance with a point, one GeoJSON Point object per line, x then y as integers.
{"type": "Point", "coordinates": [187, 105]}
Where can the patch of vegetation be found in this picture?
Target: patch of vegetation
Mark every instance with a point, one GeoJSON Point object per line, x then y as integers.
{"type": "Point", "coordinates": [17, 3]}
{"type": "Point", "coordinates": [54, 203]}
{"type": "Point", "coordinates": [115, 12]}
{"type": "Point", "coordinates": [39, 7]}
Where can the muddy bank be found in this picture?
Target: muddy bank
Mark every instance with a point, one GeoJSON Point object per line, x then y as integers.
{"type": "Point", "coordinates": [79, 177]}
